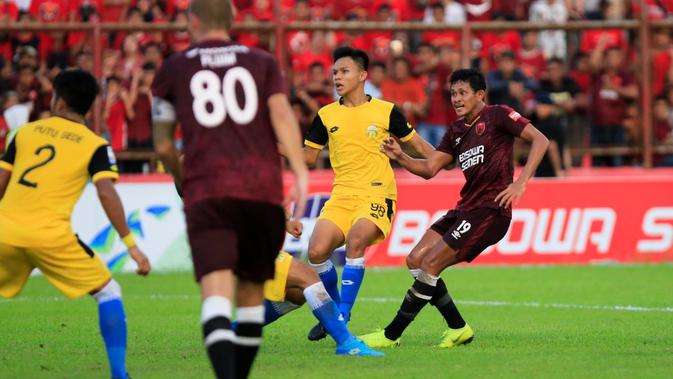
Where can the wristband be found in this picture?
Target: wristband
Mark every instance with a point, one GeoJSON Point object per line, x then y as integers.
{"type": "Point", "coordinates": [129, 241]}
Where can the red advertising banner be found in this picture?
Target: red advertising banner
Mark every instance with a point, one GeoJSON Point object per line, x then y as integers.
{"type": "Point", "coordinates": [583, 219]}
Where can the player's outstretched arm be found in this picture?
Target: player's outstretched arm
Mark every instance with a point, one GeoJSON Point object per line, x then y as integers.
{"type": "Point", "coordinates": [115, 212]}
{"type": "Point", "coordinates": [163, 122]}
{"type": "Point", "coordinates": [287, 132]}
{"type": "Point", "coordinates": [310, 154]}
{"type": "Point", "coordinates": [4, 180]}
{"type": "Point", "coordinates": [418, 147]}
{"type": "Point", "coordinates": [425, 168]}
{"type": "Point", "coordinates": [538, 149]}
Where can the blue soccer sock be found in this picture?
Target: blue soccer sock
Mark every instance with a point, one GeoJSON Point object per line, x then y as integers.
{"type": "Point", "coordinates": [112, 322]}
{"type": "Point", "coordinates": [351, 280]}
{"type": "Point", "coordinates": [326, 311]}
{"type": "Point", "coordinates": [274, 310]}
{"type": "Point", "coordinates": [329, 277]}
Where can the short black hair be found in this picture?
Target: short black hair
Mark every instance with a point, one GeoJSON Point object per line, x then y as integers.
{"type": "Point", "coordinates": [469, 75]}
{"type": "Point", "coordinates": [77, 88]}
{"type": "Point", "coordinates": [556, 60]}
{"type": "Point", "coordinates": [359, 56]}
{"type": "Point", "coordinates": [379, 64]}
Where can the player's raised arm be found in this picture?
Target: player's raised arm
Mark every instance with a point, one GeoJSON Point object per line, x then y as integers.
{"type": "Point", "coordinates": [287, 132]}
{"type": "Point", "coordinates": [425, 168]}
{"type": "Point", "coordinates": [538, 149]}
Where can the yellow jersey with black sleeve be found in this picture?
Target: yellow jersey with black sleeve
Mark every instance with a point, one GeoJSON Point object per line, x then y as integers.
{"type": "Point", "coordinates": [355, 135]}
{"type": "Point", "coordinates": [51, 161]}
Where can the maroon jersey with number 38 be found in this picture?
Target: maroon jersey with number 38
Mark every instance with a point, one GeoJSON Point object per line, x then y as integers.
{"type": "Point", "coordinates": [220, 91]}
{"type": "Point", "coordinates": [483, 151]}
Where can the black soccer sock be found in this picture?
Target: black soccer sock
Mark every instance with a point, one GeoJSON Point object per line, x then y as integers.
{"type": "Point", "coordinates": [415, 299]}
{"type": "Point", "coordinates": [445, 305]}
{"type": "Point", "coordinates": [248, 338]}
{"type": "Point", "coordinates": [217, 335]}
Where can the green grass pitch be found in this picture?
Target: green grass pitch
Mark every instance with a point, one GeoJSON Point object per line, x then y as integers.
{"type": "Point", "coordinates": [550, 322]}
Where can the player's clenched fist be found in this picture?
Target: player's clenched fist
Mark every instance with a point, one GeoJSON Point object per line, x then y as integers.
{"type": "Point", "coordinates": [294, 227]}
{"type": "Point", "coordinates": [141, 260]}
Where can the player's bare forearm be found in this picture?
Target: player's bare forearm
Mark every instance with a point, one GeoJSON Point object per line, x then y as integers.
{"type": "Point", "coordinates": [286, 128]}
{"type": "Point", "coordinates": [164, 146]}
{"type": "Point", "coordinates": [539, 145]}
{"type": "Point", "coordinates": [418, 147]}
{"type": "Point", "coordinates": [420, 167]}
{"type": "Point", "coordinates": [112, 205]}
{"type": "Point", "coordinates": [4, 180]}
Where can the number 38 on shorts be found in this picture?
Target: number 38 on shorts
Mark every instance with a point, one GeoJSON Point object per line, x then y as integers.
{"type": "Point", "coordinates": [345, 211]}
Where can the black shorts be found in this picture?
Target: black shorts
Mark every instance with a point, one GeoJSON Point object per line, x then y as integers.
{"type": "Point", "coordinates": [233, 234]}
{"type": "Point", "coordinates": [471, 232]}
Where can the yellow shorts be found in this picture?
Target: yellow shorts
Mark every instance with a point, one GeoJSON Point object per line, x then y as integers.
{"type": "Point", "coordinates": [72, 268]}
{"type": "Point", "coordinates": [345, 211]}
{"type": "Point", "coordinates": [274, 289]}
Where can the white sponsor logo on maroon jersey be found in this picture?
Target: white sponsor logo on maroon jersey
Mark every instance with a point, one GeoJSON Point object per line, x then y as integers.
{"type": "Point", "coordinates": [514, 115]}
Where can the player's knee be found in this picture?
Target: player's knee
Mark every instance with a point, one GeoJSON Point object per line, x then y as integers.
{"type": "Point", "coordinates": [318, 254]}
{"type": "Point", "coordinates": [431, 265]}
{"type": "Point", "coordinates": [111, 291]}
{"type": "Point", "coordinates": [413, 262]}
{"type": "Point", "coordinates": [356, 244]}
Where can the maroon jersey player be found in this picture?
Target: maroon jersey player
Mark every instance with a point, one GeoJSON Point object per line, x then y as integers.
{"type": "Point", "coordinates": [230, 101]}
{"type": "Point", "coordinates": [480, 143]}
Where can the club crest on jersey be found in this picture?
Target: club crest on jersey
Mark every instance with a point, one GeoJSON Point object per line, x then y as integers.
{"type": "Point", "coordinates": [514, 115]}
{"type": "Point", "coordinates": [481, 127]}
{"type": "Point", "coordinates": [372, 131]}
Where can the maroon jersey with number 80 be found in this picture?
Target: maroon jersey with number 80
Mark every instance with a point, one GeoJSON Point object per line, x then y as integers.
{"type": "Point", "coordinates": [220, 91]}
{"type": "Point", "coordinates": [483, 152]}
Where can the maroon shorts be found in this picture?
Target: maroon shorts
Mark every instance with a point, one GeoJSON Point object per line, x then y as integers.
{"type": "Point", "coordinates": [471, 232]}
{"type": "Point", "coordinates": [233, 234]}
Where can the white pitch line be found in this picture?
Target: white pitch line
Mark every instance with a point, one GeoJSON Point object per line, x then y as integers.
{"type": "Point", "coordinates": [534, 304]}
{"type": "Point", "coordinates": [479, 303]}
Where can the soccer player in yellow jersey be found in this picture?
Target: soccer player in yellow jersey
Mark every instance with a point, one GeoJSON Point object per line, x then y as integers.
{"type": "Point", "coordinates": [42, 175]}
{"type": "Point", "coordinates": [362, 203]}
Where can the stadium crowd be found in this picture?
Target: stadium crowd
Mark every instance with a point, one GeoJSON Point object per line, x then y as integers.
{"type": "Point", "coordinates": [579, 88]}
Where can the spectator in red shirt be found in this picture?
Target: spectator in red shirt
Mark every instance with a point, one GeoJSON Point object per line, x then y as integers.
{"type": "Point", "coordinates": [405, 91]}
{"type": "Point", "coordinates": [179, 41]}
{"type": "Point", "coordinates": [607, 38]}
{"type": "Point", "coordinates": [493, 44]}
{"type": "Point", "coordinates": [663, 130]}
{"type": "Point", "coordinates": [531, 57]}
{"type": "Point", "coordinates": [139, 123]}
{"type": "Point", "coordinates": [434, 75]}
{"type": "Point", "coordinates": [49, 11]}
{"type": "Point", "coordinates": [440, 37]}
{"type": "Point", "coordinates": [131, 59]}
{"type": "Point", "coordinates": [317, 51]}
{"type": "Point", "coordinates": [113, 10]}
{"type": "Point", "coordinates": [20, 39]}
{"type": "Point", "coordinates": [612, 89]}
{"type": "Point", "coordinates": [175, 6]}
{"type": "Point", "coordinates": [662, 52]}
{"type": "Point", "coordinates": [9, 12]}
{"type": "Point", "coordinates": [117, 108]}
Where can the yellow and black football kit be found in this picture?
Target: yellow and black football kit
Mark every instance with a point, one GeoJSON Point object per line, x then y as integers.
{"type": "Point", "coordinates": [274, 289]}
{"type": "Point", "coordinates": [364, 182]}
{"type": "Point", "coordinates": [51, 161]}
